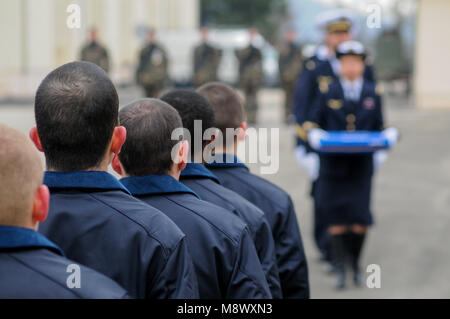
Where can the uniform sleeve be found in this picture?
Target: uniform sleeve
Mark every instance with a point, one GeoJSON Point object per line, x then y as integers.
{"type": "Point", "coordinates": [177, 280]}
{"type": "Point", "coordinates": [265, 247]}
{"type": "Point", "coordinates": [303, 93]}
{"type": "Point", "coordinates": [105, 60]}
{"type": "Point", "coordinates": [291, 258]}
{"type": "Point", "coordinates": [379, 121]}
{"type": "Point", "coordinates": [316, 113]}
{"type": "Point", "coordinates": [247, 278]}
{"type": "Point", "coordinates": [369, 73]}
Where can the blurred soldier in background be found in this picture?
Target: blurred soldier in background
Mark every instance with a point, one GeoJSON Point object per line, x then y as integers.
{"type": "Point", "coordinates": [152, 73]}
{"type": "Point", "coordinates": [206, 61]}
{"type": "Point", "coordinates": [290, 65]}
{"type": "Point", "coordinates": [250, 75]}
{"type": "Point", "coordinates": [94, 52]}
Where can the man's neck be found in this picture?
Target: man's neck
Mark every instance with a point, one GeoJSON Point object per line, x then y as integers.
{"type": "Point", "coordinates": [174, 172]}
{"type": "Point", "coordinates": [102, 167]}
{"type": "Point", "coordinates": [226, 150]}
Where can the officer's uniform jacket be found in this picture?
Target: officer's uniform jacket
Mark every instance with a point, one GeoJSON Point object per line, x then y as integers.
{"type": "Point", "coordinates": [290, 63]}
{"type": "Point", "coordinates": [94, 52]}
{"type": "Point", "coordinates": [279, 211]}
{"type": "Point", "coordinates": [96, 222]}
{"type": "Point", "coordinates": [318, 73]}
{"type": "Point", "coordinates": [206, 64]}
{"type": "Point", "coordinates": [203, 182]}
{"type": "Point", "coordinates": [250, 67]}
{"type": "Point", "coordinates": [223, 252]}
{"type": "Point", "coordinates": [31, 266]}
{"type": "Point", "coordinates": [344, 182]}
{"type": "Point", "coordinates": [153, 65]}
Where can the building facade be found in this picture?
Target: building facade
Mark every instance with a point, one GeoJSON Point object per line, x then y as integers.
{"type": "Point", "coordinates": [37, 38]}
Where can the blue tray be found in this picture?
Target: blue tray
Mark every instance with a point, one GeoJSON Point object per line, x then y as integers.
{"type": "Point", "coordinates": [353, 142]}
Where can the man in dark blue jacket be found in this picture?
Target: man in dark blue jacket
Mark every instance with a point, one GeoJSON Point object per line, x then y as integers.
{"type": "Point", "coordinates": [272, 200]}
{"type": "Point", "coordinates": [93, 218]}
{"type": "Point", "coordinates": [193, 107]}
{"type": "Point", "coordinates": [31, 266]}
{"type": "Point", "coordinates": [151, 160]}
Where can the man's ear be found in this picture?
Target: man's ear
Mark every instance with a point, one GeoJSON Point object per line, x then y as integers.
{"type": "Point", "coordinates": [241, 131]}
{"type": "Point", "coordinates": [116, 165]}
{"type": "Point", "coordinates": [182, 155]}
{"type": "Point", "coordinates": [118, 139]}
{"type": "Point", "coordinates": [41, 204]}
{"type": "Point", "coordinates": [35, 138]}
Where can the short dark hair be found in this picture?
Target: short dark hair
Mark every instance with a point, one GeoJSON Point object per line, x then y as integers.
{"type": "Point", "coordinates": [191, 106]}
{"type": "Point", "coordinates": [76, 109]}
{"type": "Point", "coordinates": [148, 148]}
{"type": "Point", "coordinates": [226, 104]}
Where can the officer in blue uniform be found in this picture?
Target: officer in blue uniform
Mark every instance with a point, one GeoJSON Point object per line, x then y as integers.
{"type": "Point", "coordinates": [319, 71]}
{"type": "Point", "coordinates": [272, 200]}
{"type": "Point", "coordinates": [343, 188]}
{"type": "Point", "coordinates": [193, 107]}
{"type": "Point", "coordinates": [224, 255]}
{"type": "Point", "coordinates": [31, 266]}
{"type": "Point", "coordinates": [93, 218]}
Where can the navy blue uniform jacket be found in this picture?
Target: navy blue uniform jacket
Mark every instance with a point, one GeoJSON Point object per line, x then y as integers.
{"type": "Point", "coordinates": [205, 184]}
{"type": "Point", "coordinates": [31, 266]}
{"type": "Point", "coordinates": [317, 74]}
{"type": "Point", "coordinates": [224, 255]}
{"type": "Point", "coordinates": [279, 210]}
{"type": "Point", "coordinates": [344, 185]}
{"type": "Point", "coordinates": [96, 222]}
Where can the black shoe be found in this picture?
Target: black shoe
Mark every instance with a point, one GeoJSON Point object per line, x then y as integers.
{"type": "Point", "coordinates": [357, 278]}
{"type": "Point", "coordinates": [340, 281]}
{"type": "Point", "coordinates": [357, 243]}
{"type": "Point", "coordinates": [339, 253]}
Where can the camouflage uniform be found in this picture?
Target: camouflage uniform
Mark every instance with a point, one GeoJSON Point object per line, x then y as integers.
{"type": "Point", "coordinates": [250, 78]}
{"type": "Point", "coordinates": [290, 65]}
{"type": "Point", "coordinates": [152, 73]}
{"type": "Point", "coordinates": [206, 64]}
{"type": "Point", "coordinates": [95, 53]}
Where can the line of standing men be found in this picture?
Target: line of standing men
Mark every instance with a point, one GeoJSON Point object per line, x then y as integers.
{"type": "Point", "coordinates": [149, 231]}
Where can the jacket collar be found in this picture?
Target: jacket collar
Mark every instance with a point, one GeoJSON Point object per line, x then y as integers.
{"type": "Point", "coordinates": [12, 238]}
{"type": "Point", "coordinates": [225, 160]}
{"type": "Point", "coordinates": [198, 171]}
{"type": "Point", "coordinates": [86, 180]}
{"type": "Point", "coordinates": [155, 185]}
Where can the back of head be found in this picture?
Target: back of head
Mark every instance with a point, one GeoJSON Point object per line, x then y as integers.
{"type": "Point", "coordinates": [21, 174]}
{"type": "Point", "coordinates": [192, 107]}
{"type": "Point", "coordinates": [76, 110]}
{"type": "Point", "coordinates": [148, 147]}
{"type": "Point", "coordinates": [226, 104]}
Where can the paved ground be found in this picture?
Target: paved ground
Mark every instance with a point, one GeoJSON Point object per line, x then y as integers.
{"type": "Point", "coordinates": [411, 201]}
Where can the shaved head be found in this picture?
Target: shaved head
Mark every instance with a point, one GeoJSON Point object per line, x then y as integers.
{"type": "Point", "coordinates": [226, 103]}
{"type": "Point", "coordinates": [21, 174]}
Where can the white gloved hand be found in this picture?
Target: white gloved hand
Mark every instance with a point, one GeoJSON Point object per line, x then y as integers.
{"type": "Point", "coordinates": [379, 157]}
{"type": "Point", "coordinates": [314, 137]}
{"type": "Point", "coordinates": [391, 134]}
{"type": "Point", "coordinates": [309, 161]}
